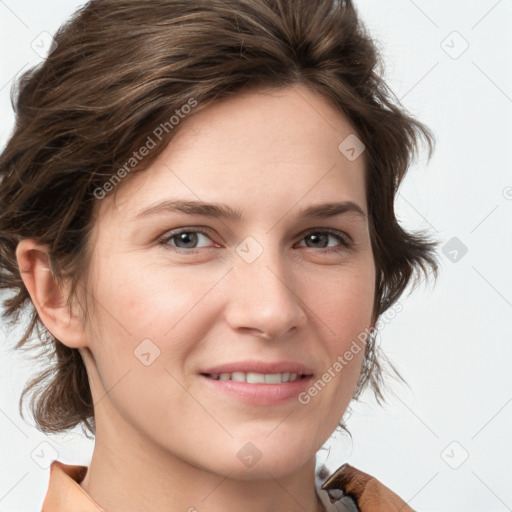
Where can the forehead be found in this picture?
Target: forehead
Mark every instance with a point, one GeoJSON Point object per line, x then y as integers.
{"type": "Point", "coordinates": [280, 144]}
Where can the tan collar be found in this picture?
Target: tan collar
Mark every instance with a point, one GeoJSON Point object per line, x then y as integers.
{"type": "Point", "coordinates": [64, 492]}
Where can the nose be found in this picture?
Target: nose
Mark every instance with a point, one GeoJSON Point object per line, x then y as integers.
{"type": "Point", "coordinates": [263, 296]}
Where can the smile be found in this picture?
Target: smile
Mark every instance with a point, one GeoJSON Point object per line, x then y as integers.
{"type": "Point", "coordinates": [257, 378]}
{"type": "Point", "coordinates": [262, 389]}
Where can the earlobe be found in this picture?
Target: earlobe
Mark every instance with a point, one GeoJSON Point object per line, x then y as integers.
{"type": "Point", "coordinates": [48, 295]}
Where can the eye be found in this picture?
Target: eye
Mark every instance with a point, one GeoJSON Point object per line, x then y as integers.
{"type": "Point", "coordinates": [185, 239]}
{"type": "Point", "coordinates": [320, 239]}
{"type": "Point", "coordinates": [188, 240]}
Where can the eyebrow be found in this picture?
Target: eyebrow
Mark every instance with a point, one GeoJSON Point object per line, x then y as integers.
{"type": "Point", "coordinates": [224, 211]}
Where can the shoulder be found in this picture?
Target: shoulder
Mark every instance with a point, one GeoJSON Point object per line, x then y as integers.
{"type": "Point", "coordinates": [351, 490]}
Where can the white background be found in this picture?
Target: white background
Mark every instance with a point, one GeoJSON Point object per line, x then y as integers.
{"type": "Point", "coordinates": [452, 341]}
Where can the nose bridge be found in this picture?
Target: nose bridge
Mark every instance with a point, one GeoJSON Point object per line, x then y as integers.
{"type": "Point", "coordinates": [262, 295]}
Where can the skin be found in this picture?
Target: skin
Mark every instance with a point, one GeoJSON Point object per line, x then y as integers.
{"type": "Point", "coordinates": [169, 439]}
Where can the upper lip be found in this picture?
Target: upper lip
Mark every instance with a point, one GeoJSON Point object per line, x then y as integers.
{"type": "Point", "coordinates": [260, 367]}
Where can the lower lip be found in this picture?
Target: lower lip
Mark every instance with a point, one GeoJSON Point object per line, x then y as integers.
{"type": "Point", "coordinates": [260, 394]}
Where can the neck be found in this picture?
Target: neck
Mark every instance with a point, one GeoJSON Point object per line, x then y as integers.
{"type": "Point", "coordinates": [127, 474]}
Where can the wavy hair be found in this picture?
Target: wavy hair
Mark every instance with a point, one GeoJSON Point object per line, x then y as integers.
{"type": "Point", "coordinates": [121, 67]}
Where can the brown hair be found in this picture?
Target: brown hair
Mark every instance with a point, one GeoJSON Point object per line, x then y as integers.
{"type": "Point", "coordinates": [121, 68]}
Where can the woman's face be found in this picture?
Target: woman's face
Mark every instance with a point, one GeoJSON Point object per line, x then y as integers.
{"type": "Point", "coordinates": [271, 285]}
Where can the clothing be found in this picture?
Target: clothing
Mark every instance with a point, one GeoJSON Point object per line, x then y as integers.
{"type": "Point", "coordinates": [339, 492]}
{"type": "Point", "coordinates": [350, 490]}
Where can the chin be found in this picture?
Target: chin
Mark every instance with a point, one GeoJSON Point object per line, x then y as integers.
{"type": "Point", "coordinates": [261, 460]}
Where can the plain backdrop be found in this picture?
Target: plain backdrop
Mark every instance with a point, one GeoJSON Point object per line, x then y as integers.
{"type": "Point", "coordinates": [444, 442]}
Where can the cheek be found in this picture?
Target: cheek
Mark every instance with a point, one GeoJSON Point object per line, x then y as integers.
{"type": "Point", "coordinates": [145, 301]}
{"type": "Point", "coordinates": [170, 306]}
{"type": "Point", "coordinates": [345, 301]}
{"type": "Point", "coordinates": [145, 324]}
{"type": "Point", "coordinates": [345, 307]}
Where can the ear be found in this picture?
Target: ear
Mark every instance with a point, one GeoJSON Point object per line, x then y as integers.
{"type": "Point", "coordinates": [48, 296]}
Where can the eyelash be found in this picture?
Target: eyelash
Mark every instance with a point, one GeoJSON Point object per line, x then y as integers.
{"type": "Point", "coordinates": [345, 240]}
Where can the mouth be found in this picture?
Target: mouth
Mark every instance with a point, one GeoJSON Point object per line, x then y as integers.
{"type": "Point", "coordinates": [258, 389]}
{"type": "Point", "coordinates": [257, 378]}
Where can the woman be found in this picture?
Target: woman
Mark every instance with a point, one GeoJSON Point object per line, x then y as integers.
{"type": "Point", "coordinates": [197, 203]}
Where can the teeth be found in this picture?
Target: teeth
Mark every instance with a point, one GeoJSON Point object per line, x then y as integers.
{"type": "Point", "coordinates": [238, 376]}
{"type": "Point", "coordinates": [256, 378]}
